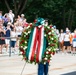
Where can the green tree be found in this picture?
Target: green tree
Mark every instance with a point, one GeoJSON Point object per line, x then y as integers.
{"type": "Point", "coordinates": [59, 12]}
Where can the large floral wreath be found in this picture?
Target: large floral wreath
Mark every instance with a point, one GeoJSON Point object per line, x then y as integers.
{"type": "Point", "coordinates": [50, 35]}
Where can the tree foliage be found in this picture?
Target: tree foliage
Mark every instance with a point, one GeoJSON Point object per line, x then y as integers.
{"type": "Point", "coordinates": [59, 12]}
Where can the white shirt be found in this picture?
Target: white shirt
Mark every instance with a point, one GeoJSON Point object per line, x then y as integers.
{"type": "Point", "coordinates": [13, 36]}
{"type": "Point", "coordinates": [61, 37]}
{"type": "Point", "coordinates": [66, 37]}
{"type": "Point", "coordinates": [11, 16]}
{"type": "Point", "coordinates": [19, 30]}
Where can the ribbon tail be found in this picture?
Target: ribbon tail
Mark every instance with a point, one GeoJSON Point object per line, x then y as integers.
{"type": "Point", "coordinates": [34, 45]}
{"type": "Point", "coordinates": [40, 45]}
{"type": "Point", "coordinates": [31, 45]}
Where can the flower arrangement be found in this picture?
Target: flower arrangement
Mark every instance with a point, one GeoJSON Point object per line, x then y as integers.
{"type": "Point", "coordinates": [52, 43]}
{"type": "Point", "coordinates": [50, 35]}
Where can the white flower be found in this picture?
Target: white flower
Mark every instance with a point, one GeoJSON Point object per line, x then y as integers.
{"type": "Point", "coordinates": [47, 52]}
{"type": "Point", "coordinates": [21, 46]}
{"type": "Point", "coordinates": [50, 58]}
{"type": "Point", "coordinates": [29, 31]}
{"type": "Point", "coordinates": [45, 35]}
{"type": "Point", "coordinates": [49, 33]}
{"type": "Point", "coordinates": [25, 47]}
{"type": "Point", "coordinates": [56, 49]}
{"type": "Point", "coordinates": [45, 25]}
{"type": "Point", "coordinates": [49, 49]}
{"type": "Point", "coordinates": [26, 33]}
{"type": "Point", "coordinates": [46, 55]}
{"type": "Point", "coordinates": [28, 27]}
{"type": "Point", "coordinates": [52, 39]}
{"type": "Point", "coordinates": [44, 62]}
{"type": "Point", "coordinates": [48, 27]}
{"type": "Point", "coordinates": [52, 27]}
{"type": "Point", "coordinates": [53, 31]}
{"type": "Point", "coordinates": [25, 41]}
{"type": "Point", "coordinates": [45, 58]}
{"type": "Point", "coordinates": [20, 52]}
{"type": "Point", "coordinates": [49, 43]}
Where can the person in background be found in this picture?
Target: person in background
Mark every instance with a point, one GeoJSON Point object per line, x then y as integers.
{"type": "Point", "coordinates": [13, 39]}
{"type": "Point", "coordinates": [22, 17]}
{"type": "Point", "coordinates": [11, 16]}
{"type": "Point", "coordinates": [5, 20]}
{"type": "Point", "coordinates": [56, 31]}
{"type": "Point", "coordinates": [61, 40]}
{"type": "Point", "coordinates": [1, 17]}
{"type": "Point", "coordinates": [67, 44]}
{"type": "Point", "coordinates": [25, 24]}
{"type": "Point", "coordinates": [57, 35]}
{"type": "Point", "coordinates": [11, 25]}
{"type": "Point", "coordinates": [19, 18]}
{"type": "Point", "coordinates": [2, 40]}
{"type": "Point", "coordinates": [19, 29]}
{"type": "Point", "coordinates": [7, 35]}
{"type": "Point", "coordinates": [46, 22]}
{"type": "Point", "coordinates": [74, 42]}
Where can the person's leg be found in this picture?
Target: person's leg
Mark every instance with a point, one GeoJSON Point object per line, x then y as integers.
{"type": "Point", "coordinates": [64, 49]}
{"type": "Point", "coordinates": [60, 46]}
{"type": "Point", "coordinates": [46, 68]}
{"type": "Point", "coordinates": [14, 43]}
{"type": "Point", "coordinates": [74, 46]}
{"type": "Point", "coordinates": [7, 44]}
{"type": "Point", "coordinates": [0, 49]}
{"type": "Point", "coordinates": [68, 48]}
{"type": "Point", "coordinates": [11, 43]}
{"type": "Point", "coordinates": [40, 69]}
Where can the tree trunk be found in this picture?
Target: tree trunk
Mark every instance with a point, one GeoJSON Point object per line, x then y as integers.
{"type": "Point", "coordinates": [72, 19]}
{"type": "Point", "coordinates": [8, 7]}
{"type": "Point", "coordinates": [64, 19]}
{"type": "Point", "coordinates": [15, 7]}
{"type": "Point", "coordinates": [23, 7]}
{"type": "Point", "coordinates": [69, 17]}
{"type": "Point", "coordinates": [19, 5]}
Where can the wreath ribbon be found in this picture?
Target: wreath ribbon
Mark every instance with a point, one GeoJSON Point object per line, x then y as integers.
{"type": "Point", "coordinates": [36, 44]}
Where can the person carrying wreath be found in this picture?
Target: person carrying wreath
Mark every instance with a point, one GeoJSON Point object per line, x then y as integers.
{"type": "Point", "coordinates": [42, 67]}
{"type": "Point", "coordinates": [37, 43]}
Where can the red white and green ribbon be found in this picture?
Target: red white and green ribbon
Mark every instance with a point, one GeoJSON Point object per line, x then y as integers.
{"type": "Point", "coordinates": [36, 44]}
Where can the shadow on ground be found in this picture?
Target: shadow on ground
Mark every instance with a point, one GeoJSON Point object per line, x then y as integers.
{"type": "Point", "coordinates": [71, 73]}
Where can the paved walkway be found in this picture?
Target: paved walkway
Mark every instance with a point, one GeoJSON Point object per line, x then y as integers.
{"type": "Point", "coordinates": [60, 65]}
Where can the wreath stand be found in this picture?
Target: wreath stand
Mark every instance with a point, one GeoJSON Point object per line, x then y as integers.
{"type": "Point", "coordinates": [23, 68]}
